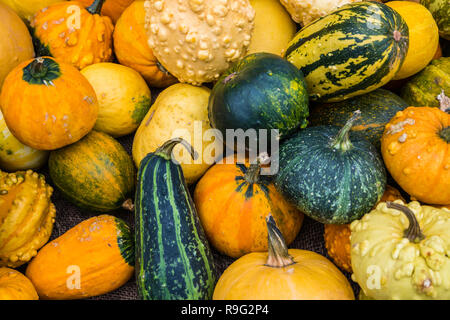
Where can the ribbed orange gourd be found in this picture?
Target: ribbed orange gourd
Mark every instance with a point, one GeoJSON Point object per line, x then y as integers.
{"type": "Point", "coordinates": [416, 151]}
{"type": "Point", "coordinates": [72, 34]}
{"type": "Point", "coordinates": [47, 104]}
{"type": "Point", "coordinates": [15, 286]}
{"type": "Point", "coordinates": [132, 50]}
{"type": "Point", "coordinates": [112, 8]}
{"type": "Point", "coordinates": [233, 200]}
{"type": "Point", "coordinates": [26, 216]}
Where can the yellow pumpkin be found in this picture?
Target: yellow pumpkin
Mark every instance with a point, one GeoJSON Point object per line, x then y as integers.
{"type": "Point", "coordinates": [423, 36]}
{"type": "Point", "coordinates": [15, 286]}
{"type": "Point", "coordinates": [274, 27]}
{"type": "Point", "coordinates": [123, 97]}
{"type": "Point", "coordinates": [16, 45]}
{"type": "Point", "coordinates": [282, 274]}
{"type": "Point", "coordinates": [74, 35]}
{"type": "Point", "coordinates": [47, 104]}
{"type": "Point", "coordinates": [180, 110]}
{"type": "Point", "coordinates": [132, 50]}
{"type": "Point", "coordinates": [27, 8]}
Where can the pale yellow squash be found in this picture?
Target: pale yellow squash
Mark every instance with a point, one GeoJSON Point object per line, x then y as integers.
{"type": "Point", "coordinates": [27, 8]}
{"type": "Point", "coordinates": [123, 95]}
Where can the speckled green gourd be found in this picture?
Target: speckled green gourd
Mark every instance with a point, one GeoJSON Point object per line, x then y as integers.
{"type": "Point", "coordinates": [440, 9]}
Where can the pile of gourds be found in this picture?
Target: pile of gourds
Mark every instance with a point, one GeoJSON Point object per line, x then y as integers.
{"type": "Point", "coordinates": [357, 91]}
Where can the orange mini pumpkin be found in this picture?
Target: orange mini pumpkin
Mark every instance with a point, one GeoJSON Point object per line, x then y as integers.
{"type": "Point", "coordinates": [233, 201]}
{"type": "Point", "coordinates": [416, 151]}
{"type": "Point", "coordinates": [47, 104]}
{"type": "Point", "coordinates": [15, 286]}
{"type": "Point", "coordinates": [112, 8]}
{"type": "Point", "coordinates": [132, 49]}
{"type": "Point", "coordinates": [73, 34]}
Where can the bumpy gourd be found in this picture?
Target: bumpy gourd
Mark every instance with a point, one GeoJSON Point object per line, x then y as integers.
{"type": "Point", "coordinates": [400, 252]}
{"type": "Point", "coordinates": [15, 286]}
{"type": "Point", "coordinates": [72, 34]}
{"type": "Point", "coordinates": [196, 40]}
{"type": "Point", "coordinates": [26, 216]}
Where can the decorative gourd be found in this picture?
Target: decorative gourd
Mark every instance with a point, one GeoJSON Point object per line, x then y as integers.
{"type": "Point", "coordinates": [282, 274]}
{"type": "Point", "coordinates": [96, 173]}
{"type": "Point", "coordinates": [93, 258]}
{"type": "Point", "coordinates": [337, 236]}
{"type": "Point", "coordinates": [197, 40]}
{"type": "Point", "coordinates": [357, 57]}
{"type": "Point", "coordinates": [26, 216]}
{"type": "Point", "coordinates": [271, 37]}
{"type": "Point", "coordinates": [262, 91]}
{"type": "Point", "coordinates": [173, 259]}
{"type": "Point", "coordinates": [73, 34]}
{"type": "Point", "coordinates": [132, 50]}
{"type": "Point", "coordinates": [440, 9]}
{"type": "Point", "coordinates": [112, 8]}
{"type": "Point", "coordinates": [15, 286]}
{"type": "Point", "coordinates": [423, 37]}
{"type": "Point", "coordinates": [305, 12]}
{"type": "Point", "coordinates": [232, 200]}
{"type": "Point", "coordinates": [179, 111]}
{"type": "Point", "coordinates": [415, 151]}
{"type": "Point", "coordinates": [16, 45]}
{"type": "Point", "coordinates": [400, 251]}
{"type": "Point", "coordinates": [423, 89]}
{"type": "Point", "coordinates": [16, 156]}
{"type": "Point", "coordinates": [123, 97]}
{"type": "Point", "coordinates": [377, 108]}
{"type": "Point", "coordinates": [27, 8]}
{"type": "Point", "coordinates": [330, 174]}
{"type": "Point", "coordinates": [48, 104]}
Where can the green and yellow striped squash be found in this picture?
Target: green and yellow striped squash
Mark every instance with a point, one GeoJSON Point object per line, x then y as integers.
{"type": "Point", "coordinates": [353, 50]}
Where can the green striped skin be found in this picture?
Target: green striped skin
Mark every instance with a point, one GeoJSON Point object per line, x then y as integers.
{"type": "Point", "coordinates": [355, 49]}
{"type": "Point", "coordinates": [377, 108]}
{"type": "Point", "coordinates": [440, 9]}
{"type": "Point", "coordinates": [125, 241]}
{"type": "Point", "coordinates": [422, 90]}
{"type": "Point", "coordinates": [333, 186]}
{"type": "Point", "coordinates": [262, 91]}
{"type": "Point", "coordinates": [173, 258]}
{"type": "Point", "coordinates": [95, 173]}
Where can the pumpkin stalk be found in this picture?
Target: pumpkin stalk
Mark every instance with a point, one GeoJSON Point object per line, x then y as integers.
{"type": "Point", "coordinates": [278, 256]}
{"type": "Point", "coordinates": [128, 205]}
{"type": "Point", "coordinates": [252, 174]}
{"type": "Point", "coordinates": [342, 141]}
{"type": "Point", "coordinates": [413, 232]}
{"type": "Point", "coordinates": [444, 101]}
{"type": "Point", "coordinates": [165, 151]}
{"type": "Point", "coordinates": [38, 70]}
{"type": "Point", "coordinates": [95, 7]}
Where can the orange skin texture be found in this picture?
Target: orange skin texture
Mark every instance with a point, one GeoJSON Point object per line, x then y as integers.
{"type": "Point", "coordinates": [416, 156]}
{"type": "Point", "coordinates": [235, 225]}
{"type": "Point", "coordinates": [90, 245]}
{"type": "Point", "coordinates": [312, 277]}
{"type": "Point", "coordinates": [15, 286]}
{"type": "Point", "coordinates": [112, 8]}
{"type": "Point", "coordinates": [49, 117]}
{"type": "Point", "coordinates": [90, 43]}
{"type": "Point", "coordinates": [337, 236]}
{"type": "Point", "coordinates": [132, 50]}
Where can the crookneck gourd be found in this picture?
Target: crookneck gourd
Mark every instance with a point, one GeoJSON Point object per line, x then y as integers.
{"type": "Point", "coordinates": [26, 216]}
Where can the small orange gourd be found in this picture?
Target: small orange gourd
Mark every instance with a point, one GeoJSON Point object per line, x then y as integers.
{"type": "Point", "coordinates": [15, 286]}
{"type": "Point", "coordinates": [112, 8]}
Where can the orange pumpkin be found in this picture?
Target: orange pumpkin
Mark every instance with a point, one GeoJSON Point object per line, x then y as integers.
{"type": "Point", "coordinates": [47, 104]}
{"type": "Point", "coordinates": [15, 286]}
{"type": "Point", "coordinates": [415, 147]}
{"type": "Point", "coordinates": [337, 236]}
{"type": "Point", "coordinates": [233, 200]}
{"type": "Point", "coordinates": [132, 49]}
{"type": "Point", "coordinates": [73, 34]}
{"type": "Point", "coordinates": [112, 8]}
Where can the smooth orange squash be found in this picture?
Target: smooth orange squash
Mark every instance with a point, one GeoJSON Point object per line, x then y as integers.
{"type": "Point", "coordinates": [112, 8]}
{"type": "Point", "coordinates": [15, 286]}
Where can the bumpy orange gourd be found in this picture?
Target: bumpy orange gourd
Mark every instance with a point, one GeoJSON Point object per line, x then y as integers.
{"type": "Point", "coordinates": [15, 286]}
{"type": "Point", "coordinates": [72, 34]}
{"type": "Point", "coordinates": [233, 200]}
{"type": "Point", "coordinates": [337, 236]}
{"type": "Point", "coordinates": [132, 50]}
{"type": "Point", "coordinates": [112, 8]}
{"type": "Point", "coordinates": [416, 151]}
{"type": "Point", "coordinates": [93, 258]}
{"type": "Point", "coordinates": [47, 104]}
{"type": "Point", "coordinates": [26, 216]}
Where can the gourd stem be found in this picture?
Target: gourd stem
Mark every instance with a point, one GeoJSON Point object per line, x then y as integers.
{"type": "Point", "coordinates": [95, 7]}
{"type": "Point", "coordinates": [278, 256]}
{"type": "Point", "coordinates": [445, 134]}
{"type": "Point", "coordinates": [413, 232]}
{"type": "Point", "coordinates": [38, 70]}
{"type": "Point", "coordinates": [252, 174]}
{"type": "Point", "coordinates": [128, 205]}
{"type": "Point", "coordinates": [342, 141]}
{"type": "Point", "coordinates": [166, 149]}
{"type": "Point", "coordinates": [444, 101]}
{"type": "Point", "coordinates": [161, 68]}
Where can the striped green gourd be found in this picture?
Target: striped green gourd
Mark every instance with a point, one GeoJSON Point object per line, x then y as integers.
{"type": "Point", "coordinates": [173, 258]}
{"type": "Point", "coordinates": [353, 50]}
